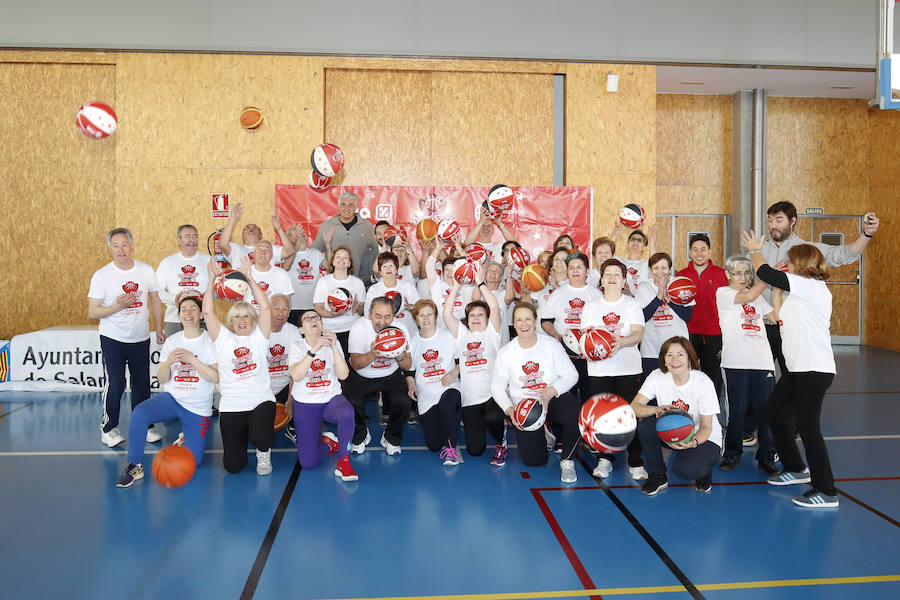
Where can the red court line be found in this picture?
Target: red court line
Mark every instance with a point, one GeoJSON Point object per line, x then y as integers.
{"type": "Point", "coordinates": [583, 576]}
{"type": "Point", "coordinates": [722, 483]}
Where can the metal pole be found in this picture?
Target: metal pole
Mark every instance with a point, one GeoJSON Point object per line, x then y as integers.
{"type": "Point", "coordinates": [758, 168]}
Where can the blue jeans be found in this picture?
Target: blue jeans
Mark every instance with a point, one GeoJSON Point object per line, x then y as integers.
{"type": "Point", "coordinates": [692, 463]}
{"type": "Point", "coordinates": [163, 408]}
{"type": "Point", "coordinates": [748, 388]}
{"type": "Point", "coordinates": [116, 355]}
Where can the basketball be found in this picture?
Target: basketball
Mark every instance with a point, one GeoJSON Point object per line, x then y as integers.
{"type": "Point", "coordinates": [476, 252]}
{"type": "Point", "coordinates": [96, 120]}
{"type": "Point", "coordinates": [464, 271]}
{"type": "Point", "coordinates": [485, 211]}
{"type": "Point", "coordinates": [529, 414]}
{"type": "Point", "coordinates": [520, 257]}
{"type": "Point", "coordinates": [675, 425]}
{"type": "Point", "coordinates": [607, 423]}
{"type": "Point", "coordinates": [632, 216]}
{"type": "Point", "coordinates": [534, 277]}
{"type": "Point", "coordinates": [681, 290]}
{"type": "Point", "coordinates": [390, 342]}
{"type": "Point", "coordinates": [426, 230]}
{"type": "Point", "coordinates": [500, 198]}
{"type": "Point", "coordinates": [396, 300]}
{"type": "Point", "coordinates": [596, 344]}
{"type": "Point", "coordinates": [174, 466]}
{"type": "Point", "coordinates": [392, 235]}
{"type": "Point", "coordinates": [447, 229]}
{"type": "Point", "coordinates": [572, 339]}
{"type": "Point", "coordinates": [251, 118]}
{"type": "Point", "coordinates": [327, 160]}
{"type": "Point", "coordinates": [281, 416]}
{"type": "Point", "coordinates": [318, 182]}
{"type": "Point", "coordinates": [231, 285]}
{"type": "Point", "coordinates": [339, 300]}
{"type": "Point", "coordinates": [517, 287]}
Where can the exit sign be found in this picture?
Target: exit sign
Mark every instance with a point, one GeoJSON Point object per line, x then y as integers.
{"type": "Point", "coordinates": [815, 211]}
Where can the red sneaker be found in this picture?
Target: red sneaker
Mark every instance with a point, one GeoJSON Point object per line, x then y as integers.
{"type": "Point", "coordinates": [330, 440]}
{"type": "Point", "coordinates": [344, 470]}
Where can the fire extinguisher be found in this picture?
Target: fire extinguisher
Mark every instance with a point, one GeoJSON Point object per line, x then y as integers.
{"type": "Point", "coordinates": [212, 246]}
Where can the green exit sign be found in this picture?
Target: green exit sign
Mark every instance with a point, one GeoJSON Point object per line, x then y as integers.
{"type": "Point", "coordinates": [815, 211]}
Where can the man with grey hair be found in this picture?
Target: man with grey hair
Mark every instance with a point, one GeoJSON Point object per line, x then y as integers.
{"type": "Point", "coordinates": [350, 230]}
{"type": "Point", "coordinates": [181, 274]}
{"type": "Point", "coordinates": [118, 296]}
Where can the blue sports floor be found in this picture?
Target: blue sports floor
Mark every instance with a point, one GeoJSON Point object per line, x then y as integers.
{"type": "Point", "coordinates": [413, 528]}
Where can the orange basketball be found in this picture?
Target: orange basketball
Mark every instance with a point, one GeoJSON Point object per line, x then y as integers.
{"type": "Point", "coordinates": [174, 466]}
{"type": "Point", "coordinates": [281, 417]}
{"type": "Point", "coordinates": [534, 277]}
{"type": "Point", "coordinates": [426, 230]}
{"type": "Point", "coordinates": [251, 118]}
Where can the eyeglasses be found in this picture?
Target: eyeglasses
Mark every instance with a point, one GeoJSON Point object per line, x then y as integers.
{"type": "Point", "coordinates": [312, 319]}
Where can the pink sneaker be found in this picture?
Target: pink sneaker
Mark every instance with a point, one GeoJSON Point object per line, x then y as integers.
{"type": "Point", "coordinates": [449, 456]}
{"type": "Point", "coordinates": [330, 440]}
{"type": "Point", "coordinates": [499, 458]}
{"type": "Point", "coordinates": [344, 470]}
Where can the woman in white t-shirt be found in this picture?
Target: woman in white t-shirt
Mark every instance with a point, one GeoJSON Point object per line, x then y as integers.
{"type": "Point", "coordinates": [662, 319]}
{"type": "Point", "coordinates": [317, 369]}
{"type": "Point", "coordinates": [679, 383]}
{"type": "Point", "coordinates": [187, 369]}
{"type": "Point", "coordinates": [559, 273]}
{"type": "Point", "coordinates": [341, 267]}
{"type": "Point", "coordinates": [392, 287]}
{"type": "Point", "coordinates": [805, 318]}
{"type": "Point", "coordinates": [477, 344]}
{"type": "Point", "coordinates": [536, 366]}
{"type": "Point", "coordinates": [247, 405]}
{"type": "Point", "coordinates": [747, 362]}
{"type": "Point", "coordinates": [602, 250]}
{"type": "Point", "coordinates": [409, 265]}
{"type": "Point", "coordinates": [435, 384]}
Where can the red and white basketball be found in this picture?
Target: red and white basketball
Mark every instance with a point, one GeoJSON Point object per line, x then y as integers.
{"type": "Point", "coordinates": [500, 198]}
{"type": "Point", "coordinates": [396, 299]}
{"type": "Point", "coordinates": [572, 339]}
{"type": "Point", "coordinates": [231, 285]}
{"type": "Point", "coordinates": [596, 344]}
{"type": "Point", "coordinates": [520, 257]}
{"type": "Point", "coordinates": [392, 235]}
{"type": "Point", "coordinates": [529, 414]}
{"type": "Point", "coordinates": [607, 423]}
{"type": "Point", "coordinates": [390, 342]}
{"type": "Point", "coordinates": [476, 252]}
{"type": "Point", "coordinates": [327, 160]}
{"type": "Point", "coordinates": [485, 210]}
{"type": "Point", "coordinates": [96, 120]}
{"type": "Point", "coordinates": [517, 286]}
{"type": "Point", "coordinates": [447, 229]}
{"type": "Point", "coordinates": [632, 216]}
{"type": "Point", "coordinates": [464, 271]}
{"type": "Point", "coordinates": [318, 182]}
{"type": "Point", "coordinates": [534, 277]}
{"type": "Point", "coordinates": [339, 300]}
{"type": "Point", "coordinates": [681, 290]}
{"type": "Point", "coordinates": [426, 230]}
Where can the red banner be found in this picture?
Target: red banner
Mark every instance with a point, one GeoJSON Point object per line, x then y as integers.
{"type": "Point", "coordinates": [539, 214]}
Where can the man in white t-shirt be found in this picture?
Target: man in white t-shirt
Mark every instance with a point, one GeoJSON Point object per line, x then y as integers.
{"type": "Point", "coordinates": [304, 271]}
{"type": "Point", "coordinates": [271, 280]}
{"type": "Point", "coordinates": [372, 373]}
{"type": "Point", "coordinates": [180, 274]}
{"type": "Point", "coordinates": [118, 296]}
{"type": "Point", "coordinates": [281, 337]}
{"type": "Point", "coordinates": [251, 235]}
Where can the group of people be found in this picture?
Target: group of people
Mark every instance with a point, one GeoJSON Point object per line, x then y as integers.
{"type": "Point", "coordinates": [476, 350]}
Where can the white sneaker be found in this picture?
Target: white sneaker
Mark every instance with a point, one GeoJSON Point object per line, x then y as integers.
{"type": "Point", "coordinates": [360, 448]}
{"type": "Point", "coordinates": [638, 473]}
{"type": "Point", "coordinates": [153, 436]}
{"type": "Point", "coordinates": [112, 437]}
{"type": "Point", "coordinates": [567, 469]}
{"type": "Point", "coordinates": [603, 469]}
{"type": "Point", "coordinates": [179, 441]}
{"type": "Point", "coordinates": [390, 448]}
{"type": "Point", "coordinates": [264, 462]}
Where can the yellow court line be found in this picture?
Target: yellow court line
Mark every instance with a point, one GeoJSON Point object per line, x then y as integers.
{"type": "Point", "coordinates": [739, 585]}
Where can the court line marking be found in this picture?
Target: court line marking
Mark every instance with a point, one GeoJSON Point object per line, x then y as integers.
{"type": "Point", "coordinates": [707, 587]}
{"type": "Point", "coordinates": [871, 509]}
{"type": "Point", "coordinates": [24, 405]}
{"type": "Point", "coordinates": [156, 451]}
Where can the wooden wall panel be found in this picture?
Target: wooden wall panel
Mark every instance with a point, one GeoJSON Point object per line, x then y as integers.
{"type": "Point", "coordinates": [844, 309]}
{"type": "Point", "coordinates": [441, 128]}
{"type": "Point", "coordinates": [694, 147]}
{"type": "Point", "coordinates": [611, 138]}
{"type": "Point", "coordinates": [715, 226]}
{"type": "Point", "coordinates": [882, 270]}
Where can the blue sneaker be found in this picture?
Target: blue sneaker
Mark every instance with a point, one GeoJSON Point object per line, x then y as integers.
{"type": "Point", "coordinates": [131, 474]}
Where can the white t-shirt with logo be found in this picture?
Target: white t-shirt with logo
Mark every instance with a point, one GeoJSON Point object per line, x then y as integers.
{"type": "Point", "coordinates": [618, 318]}
{"type": "Point", "coordinates": [321, 383]}
{"type": "Point", "coordinates": [130, 324]}
{"type": "Point", "coordinates": [304, 275]}
{"type": "Point", "coordinates": [405, 289]}
{"type": "Point", "coordinates": [744, 341]}
{"type": "Point", "coordinates": [523, 372]}
{"type": "Point", "coordinates": [806, 326]}
{"type": "Point", "coordinates": [696, 397]}
{"type": "Point", "coordinates": [477, 352]}
{"type": "Point", "coordinates": [566, 305]}
{"type": "Point", "coordinates": [637, 271]}
{"type": "Point", "coordinates": [362, 334]}
{"type": "Point", "coordinates": [279, 344]}
{"type": "Point", "coordinates": [185, 384]}
{"type": "Point", "coordinates": [439, 292]}
{"type": "Point", "coordinates": [274, 281]}
{"type": "Point", "coordinates": [432, 359]}
{"type": "Point", "coordinates": [352, 284]}
{"type": "Point", "coordinates": [539, 299]}
{"type": "Point", "coordinates": [243, 370]}
{"type": "Point", "coordinates": [664, 323]}
{"type": "Point", "coordinates": [177, 273]}
{"type": "Point", "coordinates": [238, 251]}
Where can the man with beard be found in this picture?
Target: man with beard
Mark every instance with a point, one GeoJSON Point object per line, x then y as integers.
{"type": "Point", "coordinates": [181, 274]}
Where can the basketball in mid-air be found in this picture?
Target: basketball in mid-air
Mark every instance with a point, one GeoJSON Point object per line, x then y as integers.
{"type": "Point", "coordinates": [632, 216]}
{"type": "Point", "coordinates": [96, 120]}
{"type": "Point", "coordinates": [327, 160]}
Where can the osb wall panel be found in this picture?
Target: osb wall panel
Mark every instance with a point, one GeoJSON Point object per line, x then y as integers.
{"type": "Point", "coordinates": [882, 270]}
{"type": "Point", "coordinates": [611, 138]}
{"type": "Point", "coordinates": [844, 309]}
{"type": "Point", "coordinates": [57, 56]}
{"type": "Point", "coordinates": [713, 226]}
{"type": "Point", "coordinates": [441, 128]}
{"type": "Point", "coordinates": [58, 190]}
{"type": "Point", "coordinates": [693, 153]}
{"type": "Point", "coordinates": [425, 64]}
{"type": "Point", "coordinates": [182, 110]}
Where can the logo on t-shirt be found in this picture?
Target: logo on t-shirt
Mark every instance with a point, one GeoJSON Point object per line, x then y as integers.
{"type": "Point", "coordinates": [304, 271]}
{"type": "Point", "coordinates": [263, 285]}
{"type": "Point", "coordinates": [277, 359]}
{"type": "Point", "coordinates": [612, 323]}
{"type": "Point", "coordinates": [663, 313]}
{"type": "Point", "coordinates": [573, 312]}
{"type": "Point", "coordinates": [131, 287]}
{"type": "Point", "coordinates": [432, 365]}
{"type": "Point", "coordinates": [185, 373]}
{"type": "Point", "coordinates": [750, 319]}
{"type": "Point", "coordinates": [533, 379]}
{"type": "Point", "coordinates": [682, 405]}
{"type": "Point", "coordinates": [188, 276]}
{"type": "Point", "coordinates": [473, 355]}
{"type": "Point", "coordinates": [633, 276]}
{"type": "Point", "coordinates": [242, 361]}
{"type": "Point", "coordinates": [318, 374]}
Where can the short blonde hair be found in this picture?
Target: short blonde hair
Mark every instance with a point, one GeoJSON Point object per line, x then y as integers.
{"type": "Point", "coordinates": [240, 309]}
